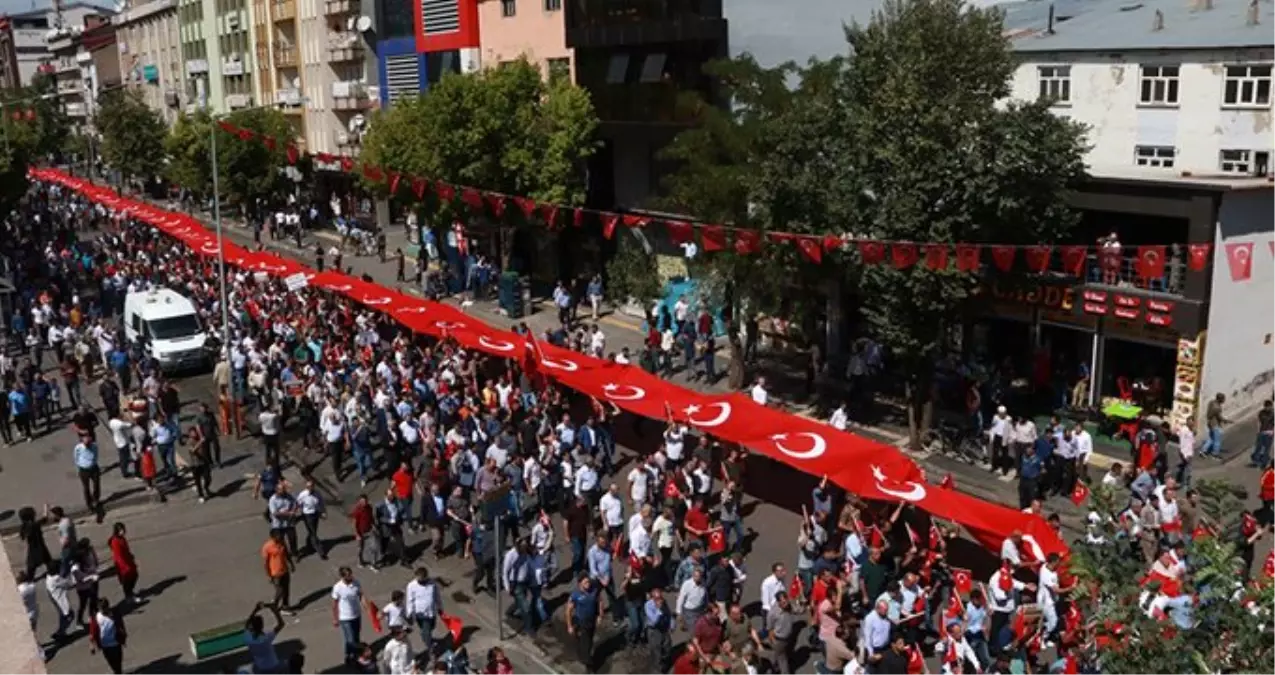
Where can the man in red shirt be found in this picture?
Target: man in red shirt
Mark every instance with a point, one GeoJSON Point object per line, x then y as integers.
{"type": "Point", "coordinates": [363, 519]}
{"type": "Point", "coordinates": [696, 522]}
{"type": "Point", "coordinates": [708, 631]}
{"type": "Point", "coordinates": [404, 485]}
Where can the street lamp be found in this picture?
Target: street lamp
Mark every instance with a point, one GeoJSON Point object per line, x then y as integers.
{"type": "Point", "coordinates": [221, 240]}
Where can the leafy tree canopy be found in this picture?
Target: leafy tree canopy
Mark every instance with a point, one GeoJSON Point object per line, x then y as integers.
{"type": "Point", "coordinates": [32, 126]}
{"type": "Point", "coordinates": [246, 169]}
{"type": "Point", "coordinates": [903, 139]}
{"type": "Point", "coordinates": [132, 133]}
{"type": "Point", "coordinates": [502, 129]}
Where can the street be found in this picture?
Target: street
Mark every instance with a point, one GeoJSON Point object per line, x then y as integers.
{"type": "Point", "coordinates": [201, 567]}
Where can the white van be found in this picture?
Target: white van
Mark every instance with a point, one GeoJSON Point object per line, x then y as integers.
{"type": "Point", "coordinates": [167, 323]}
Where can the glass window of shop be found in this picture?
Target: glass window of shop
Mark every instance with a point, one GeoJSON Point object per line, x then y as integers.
{"type": "Point", "coordinates": [397, 19]}
{"type": "Point", "coordinates": [1138, 364]}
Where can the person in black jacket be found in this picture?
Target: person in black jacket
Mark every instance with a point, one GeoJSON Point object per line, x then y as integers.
{"type": "Point", "coordinates": [434, 516]}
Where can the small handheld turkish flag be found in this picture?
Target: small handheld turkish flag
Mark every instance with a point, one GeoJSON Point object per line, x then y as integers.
{"type": "Point", "coordinates": [374, 615]}
{"type": "Point", "coordinates": [454, 626]}
{"type": "Point", "coordinates": [948, 482]}
{"type": "Point", "coordinates": [962, 580]}
{"type": "Point", "coordinates": [1080, 493]}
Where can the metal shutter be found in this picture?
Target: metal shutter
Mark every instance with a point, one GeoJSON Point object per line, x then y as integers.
{"type": "Point", "coordinates": [440, 16]}
{"type": "Point", "coordinates": [402, 76]}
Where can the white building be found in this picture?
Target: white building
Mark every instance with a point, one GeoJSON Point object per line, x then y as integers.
{"type": "Point", "coordinates": [150, 53]}
{"type": "Point", "coordinates": [1179, 87]}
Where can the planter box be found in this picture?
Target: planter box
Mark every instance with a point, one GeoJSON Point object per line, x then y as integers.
{"type": "Point", "coordinates": [217, 641]}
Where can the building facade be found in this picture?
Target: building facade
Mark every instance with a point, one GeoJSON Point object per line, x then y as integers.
{"type": "Point", "coordinates": [217, 54]}
{"type": "Point", "coordinates": [24, 40]}
{"type": "Point", "coordinates": [150, 54]}
{"type": "Point", "coordinates": [531, 29]}
{"type": "Point", "coordinates": [1164, 87]}
{"type": "Point", "coordinates": [86, 62]}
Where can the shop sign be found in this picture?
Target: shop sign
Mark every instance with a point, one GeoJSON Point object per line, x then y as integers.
{"type": "Point", "coordinates": [1186, 381]}
{"type": "Point", "coordinates": [1096, 296]}
{"type": "Point", "coordinates": [1040, 295]}
{"type": "Point", "coordinates": [1155, 319]}
{"type": "Point", "coordinates": [1126, 313]}
{"type": "Point", "coordinates": [1161, 306]}
{"type": "Point", "coordinates": [1096, 308]}
{"type": "Point", "coordinates": [1127, 301]}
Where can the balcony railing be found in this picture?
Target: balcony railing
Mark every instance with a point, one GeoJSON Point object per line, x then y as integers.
{"type": "Point", "coordinates": [1116, 271]}
{"type": "Point", "coordinates": [340, 7]}
{"type": "Point", "coordinates": [285, 57]}
{"type": "Point", "coordinates": [76, 110]}
{"type": "Point", "coordinates": [284, 11]}
{"type": "Point", "coordinates": [344, 47]}
{"type": "Point", "coordinates": [611, 12]}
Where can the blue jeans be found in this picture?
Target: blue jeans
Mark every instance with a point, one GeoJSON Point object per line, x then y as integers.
{"type": "Point", "coordinates": [350, 629]}
{"type": "Point", "coordinates": [362, 460]}
{"type": "Point", "coordinates": [577, 556]}
{"type": "Point", "coordinates": [426, 626]}
{"type": "Point", "coordinates": [1213, 442]}
{"type": "Point", "coordinates": [735, 528]}
{"type": "Point", "coordinates": [633, 632]}
{"type": "Point", "coordinates": [1262, 448]}
{"type": "Point", "coordinates": [168, 458]}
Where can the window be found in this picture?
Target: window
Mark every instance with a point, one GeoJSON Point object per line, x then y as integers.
{"type": "Point", "coordinates": [1055, 83]}
{"type": "Point", "coordinates": [653, 68]}
{"type": "Point", "coordinates": [1247, 86]}
{"type": "Point", "coordinates": [553, 5]}
{"type": "Point", "coordinates": [617, 68]}
{"type": "Point", "coordinates": [508, 8]}
{"type": "Point", "coordinates": [1157, 156]}
{"type": "Point", "coordinates": [559, 69]}
{"type": "Point", "coordinates": [1235, 161]}
{"type": "Point", "coordinates": [1159, 85]}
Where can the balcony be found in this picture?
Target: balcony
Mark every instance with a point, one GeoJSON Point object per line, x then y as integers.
{"type": "Point", "coordinates": [285, 57]}
{"type": "Point", "coordinates": [350, 96]}
{"type": "Point", "coordinates": [237, 101]}
{"type": "Point", "coordinates": [284, 11]}
{"type": "Point", "coordinates": [66, 87]}
{"type": "Point", "coordinates": [1110, 273]}
{"type": "Point", "coordinates": [76, 110]}
{"type": "Point", "coordinates": [345, 139]}
{"type": "Point", "coordinates": [344, 47]}
{"type": "Point", "coordinates": [614, 23]}
{"type": "Point", "coordinates": [341, 7]}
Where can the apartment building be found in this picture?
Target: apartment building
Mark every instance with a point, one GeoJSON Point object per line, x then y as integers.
{"type": "Point", "coordinates": [150, 53]}
{"type": "Point", "coordinates": [216, 54]}
{"type": "Point", "coordinates": [86, 62]}
{"type": "Point", "coordinates": [1165, 87]}
{"type": "Point", "coordinates": [534, 29]}
{"type": "Point", "coordinates": [341, 73]}
{"type": "Point", "coordinates": [24, 47]}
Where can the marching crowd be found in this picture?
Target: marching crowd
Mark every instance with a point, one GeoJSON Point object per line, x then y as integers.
{"type": "Point", "coordinates": [490, 462]}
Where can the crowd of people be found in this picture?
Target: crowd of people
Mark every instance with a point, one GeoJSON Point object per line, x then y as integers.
{"type": "Point", "coordinates": [489, 461]}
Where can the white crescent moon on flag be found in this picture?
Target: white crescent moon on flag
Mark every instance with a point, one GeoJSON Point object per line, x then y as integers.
{"type": "Point", "coordinates": [498, 345]}
{"type": "Point", "coordinates": [817, 445]}
{"type": "Point", "coordinates": [634, 393]}
{"type": "Point", "coordinates": [723, 414]}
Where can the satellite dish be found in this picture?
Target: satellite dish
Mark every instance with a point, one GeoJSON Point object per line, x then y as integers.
{"type": "Point", "coordinates": [364, 24]}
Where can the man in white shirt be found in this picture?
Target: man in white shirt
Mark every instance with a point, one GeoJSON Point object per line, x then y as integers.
{"type": "Point", "coordinates": [1047, 592]}
{"type": "Point", "coordinates": [999, 433]}
{"type": "Point", "coordinates": [840, 418]}
{"type": "Point", "coordinates": [612, 508]}
{"type": "Point", "coordinates": [1186, 452]}
{"type": "Point", "coordinates": [675, 443]}
{"type": "Point", "coordinates": [1082, 440]}
{"type": "Point", "coordinates": [347, 611]}
{"type": "Point", "coordinates": [759, 393]}
{"type": "Point", "coordinates": [640, 537]}
{"type": "Point", "coordinates": [639, 479]}
{"type": "Point", "coordinates": [311, 504]}
{"type": "Point", "coordinates": [397, 657]}
{"type": "Point", "coordinates": [423, 603]}
{"type": "Point", "coordinates": [771, 586]}
{"type": "Point", "coordinates": [122, 435]}
{"type": "Point", "coordinates": [954, 651]}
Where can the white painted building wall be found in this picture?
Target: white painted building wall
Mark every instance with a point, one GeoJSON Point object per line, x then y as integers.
{"type": "Point", "coordinates": [1105, 95]}
{"type": "Point", "coordinates": [1239, 352]}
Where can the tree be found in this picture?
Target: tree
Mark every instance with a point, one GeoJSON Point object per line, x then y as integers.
{"type": "Point", "coordinates": [32, 127]}
{"type": "Point", "coordinates": [902, 140]}
{"type": "Point", "coordinates": [132, 133]}
{"type": "Point", "coordinates": [1225, 636]}
{"type": "Point", "coordinates": [940, 161]}
{"type": "Point", "coordinates": [502, 129]}
{"type": "Point", "coordinates": [247, 169]}
{"type": "Point", "coordinates": [187, 150]}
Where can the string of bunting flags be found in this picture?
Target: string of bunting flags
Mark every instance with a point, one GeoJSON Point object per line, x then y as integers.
{"type": "Point", "coordinates": [1150, 261]}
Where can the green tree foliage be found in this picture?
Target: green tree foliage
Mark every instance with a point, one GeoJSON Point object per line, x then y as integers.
{"type": "Point", "coordinates": [1225, 636]}
{"type": "Point", "coordinates": [187, 150]}
{"type": "Point", "coordinates": [32, 127]}
{"type": "Point", "coordinates": [246, 169]}
{"type": "Point", "coordinates": [902, 140]}
{"type": "Point", "coordinates": [632, 272]}
{"type": "Point", "coordinates": [132, 133]}
{"type": "Point", "coordinates": [502, 129]}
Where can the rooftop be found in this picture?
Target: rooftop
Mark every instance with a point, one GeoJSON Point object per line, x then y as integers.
{"type": "Point", "coordinates": [1218, 183]}
{"type": "Point", "coordinates": [1124, 25]}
